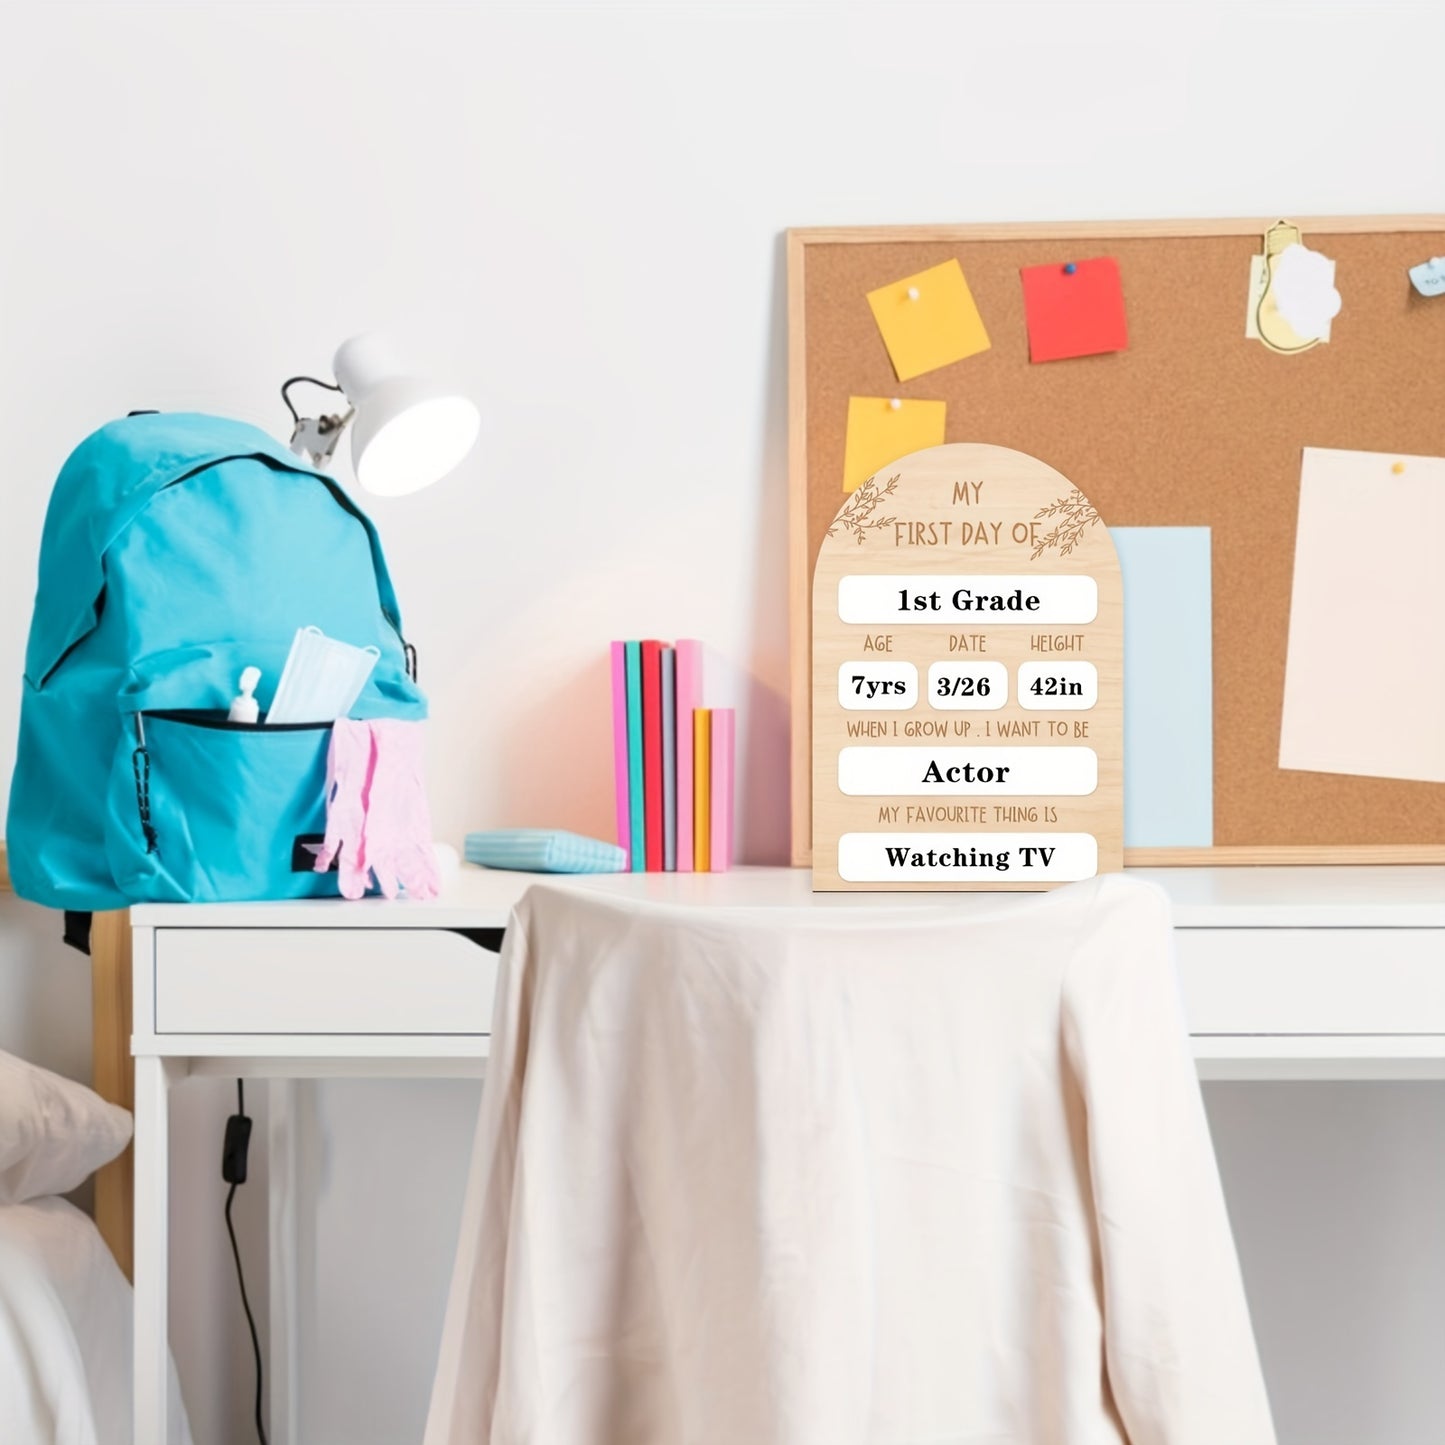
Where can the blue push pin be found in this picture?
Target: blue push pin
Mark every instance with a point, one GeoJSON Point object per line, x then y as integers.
{"type": "Point", "coordinates": [1070, 269]}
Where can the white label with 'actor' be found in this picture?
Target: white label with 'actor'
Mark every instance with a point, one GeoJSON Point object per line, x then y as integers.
{"type": "Point", "coordinates": [982, 772]}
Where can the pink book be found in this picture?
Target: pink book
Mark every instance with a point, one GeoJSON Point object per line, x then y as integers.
{"type": "Point", "coordinates": [722, 789]}
{"type": "Point", "coordinates": [619, 744]}
{"type": "Point", "coordinates": [689, 697]}
{"type": "Point", "coordinates": [652, 754]}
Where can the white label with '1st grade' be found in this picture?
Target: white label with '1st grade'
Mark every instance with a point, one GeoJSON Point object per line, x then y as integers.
{"type": "Point", "coordinates": [984, 601]}
{"type": "Point", "coordinates": [967, 857]}
{"type": "Point", "coordinates": [980, 772]}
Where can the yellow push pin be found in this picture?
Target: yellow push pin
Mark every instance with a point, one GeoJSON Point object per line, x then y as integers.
{"type": "Point", "coordinates": [1398, 468]}
{"type": "Point", "coordinates": [896, 405]}
{"type": "Point", "coordinates": [913, 293]}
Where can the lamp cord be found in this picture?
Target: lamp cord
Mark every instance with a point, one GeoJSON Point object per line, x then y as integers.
{"type": "Point", "coordinates": [241, 1277]}
{"type": "Point", "coordinates": [296, 381]}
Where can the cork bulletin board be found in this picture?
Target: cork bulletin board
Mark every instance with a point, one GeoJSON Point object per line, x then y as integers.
{"type": "Point", "coordinates": [1192, 425]}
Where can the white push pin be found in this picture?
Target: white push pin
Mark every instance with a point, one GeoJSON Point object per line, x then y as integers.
{"type": "Point", "coordinates": [895, 404]}
{"type": "Point", "coordinates": [244, 707]}
{"type": "Point", "coordinates": [913, 293]}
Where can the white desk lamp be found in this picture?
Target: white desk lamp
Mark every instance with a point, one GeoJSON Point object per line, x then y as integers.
{"type": "Point", "coordinates": [406, 433]}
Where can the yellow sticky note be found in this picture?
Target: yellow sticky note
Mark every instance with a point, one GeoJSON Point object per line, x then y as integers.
{"type": "Point", "coordinates": [882, 429]}
{"type": "Point", "coordinates": [928, 320]}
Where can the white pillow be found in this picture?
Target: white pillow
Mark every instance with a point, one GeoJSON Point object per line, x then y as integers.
{"type": "Point", "coordinates": [54, 1133]}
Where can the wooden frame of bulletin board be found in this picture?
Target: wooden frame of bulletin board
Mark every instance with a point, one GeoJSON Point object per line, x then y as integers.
{"type": "Point", "coordinates": [1192, 425]}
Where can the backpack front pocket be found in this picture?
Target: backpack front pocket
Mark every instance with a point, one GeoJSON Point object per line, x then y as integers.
{"type": "Point", "coordinates": [203, 810]}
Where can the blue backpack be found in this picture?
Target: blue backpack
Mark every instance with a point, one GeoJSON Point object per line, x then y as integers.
{"type": "Point", "coordinates": [179, 550]}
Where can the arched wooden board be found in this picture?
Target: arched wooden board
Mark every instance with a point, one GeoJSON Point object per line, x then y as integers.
{"type": "Point", "coordinates": [968, 680]}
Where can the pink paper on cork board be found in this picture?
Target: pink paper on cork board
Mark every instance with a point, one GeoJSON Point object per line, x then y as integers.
{"type": "Point", "coordinates": [1364, 689]}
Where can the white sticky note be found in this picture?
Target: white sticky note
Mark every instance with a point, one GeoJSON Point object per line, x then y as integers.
{"type": "Point", "coordinates": [1314, 309]}
{"type": "Point", "coordinates": [1364, 686]}
{"type": "Point", "coordinates": [1304, 291]}
{"type": "Point", "coordinates": [1428, 278]}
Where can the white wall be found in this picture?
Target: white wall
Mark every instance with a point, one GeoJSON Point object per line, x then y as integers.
{"type": "Point", "coordinates": [576, 210]}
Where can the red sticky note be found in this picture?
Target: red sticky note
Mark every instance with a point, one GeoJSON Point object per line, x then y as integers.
{"type": "Point", "coordinates": [1074, 312]}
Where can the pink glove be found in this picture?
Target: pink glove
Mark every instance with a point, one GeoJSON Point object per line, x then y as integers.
{"type": "Point", "coordinates": [397, 845]}
{"type": "Point", "coordinates": [349, 766]}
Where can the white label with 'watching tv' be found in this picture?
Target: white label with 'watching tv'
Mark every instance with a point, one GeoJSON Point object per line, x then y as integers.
{"type": "Point", "coordinates": [981, 772]}
{"type": "Point", "coordinates": [967, 857]}
{"type": "Point", "coordinates": [873, 601]}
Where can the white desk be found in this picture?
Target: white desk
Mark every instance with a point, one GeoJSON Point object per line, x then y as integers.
{"type": "Point", "coordinates": [1287, 973]}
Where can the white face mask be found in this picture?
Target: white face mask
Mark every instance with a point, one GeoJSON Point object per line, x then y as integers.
{"type": "Point", "coordinates": [321, 680]}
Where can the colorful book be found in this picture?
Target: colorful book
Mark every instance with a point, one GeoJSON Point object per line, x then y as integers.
{"type": "Point", "coordinates": [669, 760]}
{"type": "Point", "coordinates": [652, 753]}
{"type": "Point", "coordinates": [637, 850]}
{"type": "Point", "coordinates": [701, 786]}
{"type": "Point", "coordinates": [689, 698]}
{"type": "Point", "coordinates": [619, 745]}
{"type": "Point", "coordinates": [720, 803]}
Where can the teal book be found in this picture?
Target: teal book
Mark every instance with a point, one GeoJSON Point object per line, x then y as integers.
{"type": "Point", "coordinates": [638, 850]}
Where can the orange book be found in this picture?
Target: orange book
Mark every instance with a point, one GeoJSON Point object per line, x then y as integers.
{"type": "Point", "coordinates": [701, 788]}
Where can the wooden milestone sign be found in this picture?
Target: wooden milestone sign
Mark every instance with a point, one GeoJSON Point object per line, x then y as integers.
{"type": "Point", "coordinates": [968, 680]}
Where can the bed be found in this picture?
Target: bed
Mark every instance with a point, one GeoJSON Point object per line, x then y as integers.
{"type": "Point", "coordinates": [111, 1074]}
{"type": "Point", "coordinates": [63, 1306]}
{"type": "Point", "coordinates": [65, 1296]}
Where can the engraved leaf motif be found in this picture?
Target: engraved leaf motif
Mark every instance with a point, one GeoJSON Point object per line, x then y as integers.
{"type": "Point", "coordinates": [1074, 515]}
{"type": "Point", "coordinates": [857, 517]}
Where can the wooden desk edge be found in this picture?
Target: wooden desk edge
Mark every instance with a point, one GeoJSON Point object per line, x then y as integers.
{"type": "Point", "coordinates": [113, 1075]}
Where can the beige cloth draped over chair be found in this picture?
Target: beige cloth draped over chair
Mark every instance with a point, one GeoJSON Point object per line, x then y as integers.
{"type": "Point", "coordinates": [933, 1171]}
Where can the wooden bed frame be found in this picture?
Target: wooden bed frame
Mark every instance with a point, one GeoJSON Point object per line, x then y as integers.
{"type": "Point", "coordinates": [112, 1076]}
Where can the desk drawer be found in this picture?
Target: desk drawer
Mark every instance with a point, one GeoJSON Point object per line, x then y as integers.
{"type": "Point", "coordinates": [1313, 980]}
{"type": "Point", "coordinates": [322, 981]}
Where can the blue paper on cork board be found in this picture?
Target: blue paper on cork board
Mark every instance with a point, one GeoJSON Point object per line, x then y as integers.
{"type": "Point", "coordinates": [1168, 686]}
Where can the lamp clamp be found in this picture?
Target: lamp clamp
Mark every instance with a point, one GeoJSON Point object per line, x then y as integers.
{"type": "Point", "coordinates": [315, 437]}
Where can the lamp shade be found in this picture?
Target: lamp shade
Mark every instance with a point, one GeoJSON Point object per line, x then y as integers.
{"type": "Point", "coordinates": [407, 432]}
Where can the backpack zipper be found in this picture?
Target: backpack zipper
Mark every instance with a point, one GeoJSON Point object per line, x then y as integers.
{"type": "Point", "coordinates": [140, 764]}
{"type": "Point", "coordinates": [219, 722]}
{"type": "Point", "coordinates": [140, 758]}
